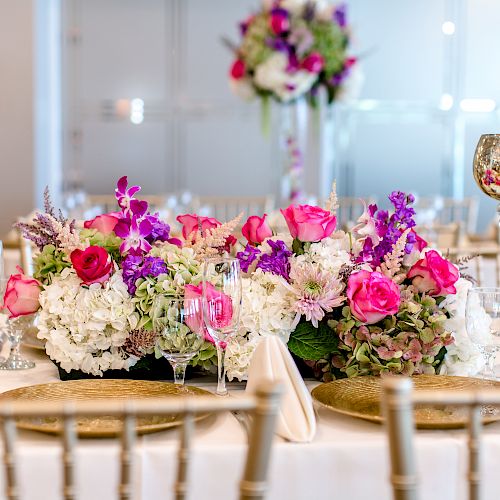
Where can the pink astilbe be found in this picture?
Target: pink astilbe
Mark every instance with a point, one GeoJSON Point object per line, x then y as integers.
{"type": "Point", "coordinates": [316, 291]}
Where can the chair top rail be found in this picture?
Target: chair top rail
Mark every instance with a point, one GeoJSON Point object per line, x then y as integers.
{"type": "Point", "coordinates": [143, 407]}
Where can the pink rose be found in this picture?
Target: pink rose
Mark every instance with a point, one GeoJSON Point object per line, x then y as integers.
{"type": "Point", "coordinates": [219, 305]}
{"type": "Point", "coordinates": [256, 230]}
{"type": "Point", "coordinates": [434, 275]}
{"type": "Point", "coordinates": [278, 21]}
{"type": "Point", "coordinates": [92, 265]}
{"type": "Point", "coordinates": [105, 223]}
{"type": "Point", "coordinates": [372, 296]}
{"type": "Point", "coordinates": [313, 63]}
{"type": "Point", "coordinates": [307, 223]}
{"type": "Point", "coordinates": [192, 222]}
{"type": "Point", "coordinates": [21, 295]}
{"type": "Point", "coordinates": [193, 312]}
{"type": "Point", "coordinates": [238, 69]}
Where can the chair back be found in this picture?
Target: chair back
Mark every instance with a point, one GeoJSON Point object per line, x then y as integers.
{"type": "Point", "coordinates": [263, 407]}
{"type": "Point", "coordinates": [398, 400]}
{"type": "Point", "coordinates": [483, 263]}
{"type": "Point", "coordinates": [225, 208]}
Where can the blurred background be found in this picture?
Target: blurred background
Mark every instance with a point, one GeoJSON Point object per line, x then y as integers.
{"type": "Point", "coordinates": [91, 90]}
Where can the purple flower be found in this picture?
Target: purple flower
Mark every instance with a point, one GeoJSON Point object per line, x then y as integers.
{"type": "Point", "coordinates": [134, 267]}
{"type": "Point", "coordinates": [247, 257]}
{"type": "Point", "coordinates": [278, 262]}
{"type": "Point", "coordinates": [389, 228]}
{"type": "Point", "coordinates": [340, 15]}
{"type": "Point", "coordinates": [160, 231]}
{"type": "Point", "coordinates": [125, 195]}
{"type": "Point", "coordinates": [134, 234]}
{"type": "Point", "coordinates": [153, 266]}
{"type": "Point", "coordinates": [131, 266]}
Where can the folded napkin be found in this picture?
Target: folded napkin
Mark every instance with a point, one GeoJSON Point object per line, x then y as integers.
{"type": "Point", "coordinates": [272, 361]}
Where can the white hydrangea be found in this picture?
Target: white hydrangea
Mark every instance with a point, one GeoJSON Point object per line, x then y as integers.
{"type": "Point", "coordinates": [330, 254]}
{"type": "Point", "coordinates": [266, 306]}
{"type": "Point", "coordinates": [242, 88]}
{"type": "Point", "coordinates": [266, 310]}
{"type": "Point", "coordinates": [272, 75]}
{"type": "Point", "coordinates": [85, 327]}
{"type": "Point", "coordinates": [462, 357]}
{"type": "Point", "coordinates": [297, 6]}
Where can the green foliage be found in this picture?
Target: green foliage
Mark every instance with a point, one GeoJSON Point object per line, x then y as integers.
{"type": "Point", "coordinates": [49, 262]}
{"type": "Point", "coordinates": [310, 343]}
{"type": "Point", "coordinates": [331, 42]}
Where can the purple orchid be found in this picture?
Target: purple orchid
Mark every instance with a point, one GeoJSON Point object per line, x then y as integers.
{"type": "Point", "coordinates": [125, 196]}
{"type": "Point", "coordinates": [247, 257]}
{"type": "Point", "coordinates": [134, 235]}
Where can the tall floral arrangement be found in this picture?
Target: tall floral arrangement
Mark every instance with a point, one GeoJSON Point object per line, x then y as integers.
{"type": "Point", "coordinates": [375, 299]}
{"type": "Point", "coordinates": [290, 49]}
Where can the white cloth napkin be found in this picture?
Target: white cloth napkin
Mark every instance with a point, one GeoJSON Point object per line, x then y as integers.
{"type": "Point", "coordinates": [272, 361]}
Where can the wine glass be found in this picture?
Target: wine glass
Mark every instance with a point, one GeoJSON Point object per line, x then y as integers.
{"type": "Point", "coordinates": [482, 321]}
{"type": "Point", "coordinates": [178, 324]}
{"type": "Point", "coordinates": [221, 307]}
{"type": "Point", "coordinates": [13, 332]}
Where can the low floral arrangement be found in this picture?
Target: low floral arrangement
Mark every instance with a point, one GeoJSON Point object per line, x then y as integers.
{"type": "Point", "coordinates": [290, 49]}
{"type": "Point", "coordinates": [372, 300]}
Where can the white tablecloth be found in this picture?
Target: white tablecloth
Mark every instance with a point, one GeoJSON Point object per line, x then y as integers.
{"type": "Point", "coordinates": [347, 459]}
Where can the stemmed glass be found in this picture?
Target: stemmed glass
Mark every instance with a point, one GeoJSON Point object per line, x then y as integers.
{"type": "Point", "coordinates": [14, 333]}
{"type": "Point", "coordinates": [482, 320]}
{"type": "Point", "coordinates": [221, 307]}
{"type": "Point", "coordinates": [179, 333]}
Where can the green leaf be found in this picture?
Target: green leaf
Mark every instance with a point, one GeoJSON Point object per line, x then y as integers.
{"type": "Point", "coordinates": [311, 343]}
{"type": "Point", "coordinates": [297, 247]}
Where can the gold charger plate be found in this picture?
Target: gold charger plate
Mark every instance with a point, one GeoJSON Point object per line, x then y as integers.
{"type": "Point", "coordinates": [99, 427]}
{"type": "Point", "coordinates": [360, 397]}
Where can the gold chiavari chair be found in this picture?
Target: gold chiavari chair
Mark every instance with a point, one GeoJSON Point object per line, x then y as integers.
{"type": "Point", "coordinates": [263, 407]}
{"type": "Point", "coordinates": [398, 400]}
{"type": "Point", "coordinates": [440, 235]}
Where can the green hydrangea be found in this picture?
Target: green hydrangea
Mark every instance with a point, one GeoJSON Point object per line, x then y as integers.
{"type": "Point", "coordinates": [331, 42]}
{"type": "Point", "coordinates": [254, 49]}
{"type": "Point", "coordinates": [110, 242]}
{"type": "Point", "coordinates": [49, 263]}
{"type": "Point", "coordinates": [411, 342]}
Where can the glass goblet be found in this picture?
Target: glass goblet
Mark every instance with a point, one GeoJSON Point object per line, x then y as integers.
{"type": "Point", "coordinates": [221, 307]}
{"type": "Point", "coordinates": [179, 336]}
{"type": "Point", "coordinates": [482, 321]}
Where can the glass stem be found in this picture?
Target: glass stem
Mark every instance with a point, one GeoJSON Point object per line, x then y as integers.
{"type": "Point", "coordinates": [489, 359]}
{"type": "Point", "coordinates": [15, 345]}
{"type": "Point", "coordinates": [179, 368]}
{"type": "Point", "coordinates": [221, 371]}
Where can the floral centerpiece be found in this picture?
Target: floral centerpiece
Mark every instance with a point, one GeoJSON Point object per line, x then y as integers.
{"type": "Point", "coordinates": [290, 49]}
{"type": "Point", "coordinates": [373, 300]}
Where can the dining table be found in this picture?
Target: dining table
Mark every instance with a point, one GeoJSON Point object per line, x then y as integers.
{"type": "Point", "coordinates": [348, 457]}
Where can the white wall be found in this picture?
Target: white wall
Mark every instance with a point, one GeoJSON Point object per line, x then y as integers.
{"type": "Point", "coordinates": [16, 110]}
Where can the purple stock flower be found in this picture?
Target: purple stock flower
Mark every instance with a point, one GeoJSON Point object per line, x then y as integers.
{"type": "Point", "coordinates": [153, 266]}
{"type": "Point", "coordinates": [247, 257]}
{"type": "Point", "coordinates": [134, 267]}
{"type": "Point", "coordinates": [278, 262]}
{"type": "Point", "coordinates": [160, 231]}
{"type": "Point", "coordinates": [389, 228]}
{"type": "Point", "coordinates": [134, 235]}
{"type": "Point", "coordinates": [131, 266]}
{"type": "Point", "coordinates": [340, 15]}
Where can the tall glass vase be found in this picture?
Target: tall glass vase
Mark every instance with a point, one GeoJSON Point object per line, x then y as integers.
{"type": "Point", "coordinates": [293, 137]}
